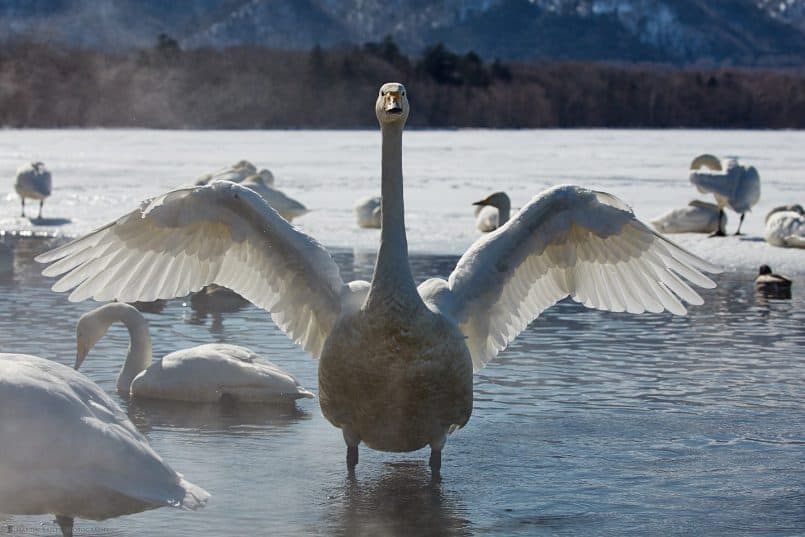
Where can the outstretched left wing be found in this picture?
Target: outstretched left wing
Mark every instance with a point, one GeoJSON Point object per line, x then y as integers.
{"type": "Point", "coordinates": [568, 241]}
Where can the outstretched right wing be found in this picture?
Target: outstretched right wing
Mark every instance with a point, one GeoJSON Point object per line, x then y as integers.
{"type": "Point", "coordinates": [220, 233]}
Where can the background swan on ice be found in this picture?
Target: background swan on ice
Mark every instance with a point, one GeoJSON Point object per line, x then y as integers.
{"type": "Point", "coordinates": [697, 217]}
{"type": "Point", "coordinates": [785, 226]}
{"type": "Point", "coordinates": [492, 212]}
{"type": "Point", "coordinates": [368, 211]}
{"type": "Point", "coordinates": [733, 185]}
{"type": "Point", "coordinates": [33, 181]}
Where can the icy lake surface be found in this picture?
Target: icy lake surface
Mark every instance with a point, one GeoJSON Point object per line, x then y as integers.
{"type": "Point", "coordinates": [590, 423]}
{"type": "Point", "coordinates": [99, 174]}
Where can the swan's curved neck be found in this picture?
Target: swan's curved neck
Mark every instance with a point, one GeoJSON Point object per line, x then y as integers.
{"type": "Point", "coordinates": [139, 354]}
{"type": "Point", "coordinates": [504, 212]}
{"type": "Point", "coordinates": [392, 282]}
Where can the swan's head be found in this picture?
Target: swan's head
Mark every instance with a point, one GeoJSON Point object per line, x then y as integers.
{"type": "Point", "coordinates": [498, 200]}
{"type": "Point", "coordinates": [90, 329]}
{"type": "Point", "coordinates": [392, 104]}
{"type": "Point", "coordinates": [93, 325]}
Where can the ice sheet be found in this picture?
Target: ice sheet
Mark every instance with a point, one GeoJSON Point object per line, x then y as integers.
{"type": "Point", "coordinates": [100, 174]}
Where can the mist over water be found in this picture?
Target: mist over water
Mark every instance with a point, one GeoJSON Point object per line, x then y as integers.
{"type": "Point", "coordinates": [590, 423]}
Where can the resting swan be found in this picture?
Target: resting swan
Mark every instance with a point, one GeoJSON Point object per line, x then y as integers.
{"type": "Point", "coordinates": [396, 360]}
{"type": "Point", "coordinates": [33, 181]}
{"type": "Point", "coordinates": [492, 212]}
{"type": "Point", "coordinates": [697, 217]}
{"type": "Point", "coordinates": [236, 173]}
{"type": "Point", "coordinates": [203, 374]}
{"type": "Point", "coordinates": [262, 182]}
{"type": "Point", "coordinates": [67, 449]}
{"type": "Point", "coordinates": [785, 227]}
{"type": "Point", "coordinates": [732, 185]}
{"type": "Point", "coordinates": [368, 212]}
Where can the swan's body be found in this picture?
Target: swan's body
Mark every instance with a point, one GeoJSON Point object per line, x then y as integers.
{"type": "Point", "coordinates": [772, 285]}
{"type": "Point", "coordinates": [204, 374]}
{"type": "Point", "coordinates": [697, 217]}
{"type": "Point", "coordinates": [368, 212]}
{"type": "Point", "coordinates": [34, 182]}
{"type": "Point", "coordinates": [66, 448]}
{"type": "Point", "coordinates": [396, 359]}
{"type": "Point", "coordinates": [492, 212]}
{"type": "Point", "coordinates": [733, 185]}
{"type": "Point", "coordinates": [785, 227]}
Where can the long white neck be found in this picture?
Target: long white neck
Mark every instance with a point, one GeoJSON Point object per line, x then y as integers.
{"type": "Point", "coordinates": [392, 283]}
{"type": "Point", "coordinates": [139, 354]}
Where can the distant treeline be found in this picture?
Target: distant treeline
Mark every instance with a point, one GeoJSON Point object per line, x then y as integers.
{"type": "Point", "coordinates": [251, 87]}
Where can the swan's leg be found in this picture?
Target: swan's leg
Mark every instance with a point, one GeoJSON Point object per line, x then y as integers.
{"type": "Point", "coordinates": [740, 224]}
{"type": "Point", "coordinates": [436, 458]}
{"type": "Point", "coordinates": [352, 440]}
{"type": "Point", "coordinates": [41, 202]}
{"type": "Point", "coordinates": [23, 206]}
{"type": "Point", "coordinates": [66, 525]}
{"type": "Point", "coordinates": [719, 232]}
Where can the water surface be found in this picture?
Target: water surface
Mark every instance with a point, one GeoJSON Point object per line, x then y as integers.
{"type": "Point", "coordinates": [591, 423]}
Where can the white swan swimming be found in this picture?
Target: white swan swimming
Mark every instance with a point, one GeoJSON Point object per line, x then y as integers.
{"type": "Point", "coordinates": [492, 212]}
{"type": "Point", "coordinates": [785, 227]}
{"type": "Point", "coordinates": [33, 181]}
{"type": "Point", "coordinates": [368, 212]}
{"type": "Point", "coordinates": [67, 449]}
{"type": "Point", "coordinates": [205, 374]}
{"type": "Point", "coordinates": [396, 361]}
{"type": "Point", "coordinates": [697, 217]}
{"type": "Point", "coordinates": [732, 184]}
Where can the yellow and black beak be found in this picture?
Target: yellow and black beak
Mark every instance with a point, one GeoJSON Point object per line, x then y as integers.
{"type": "Point", "coordinates": [392, 102]}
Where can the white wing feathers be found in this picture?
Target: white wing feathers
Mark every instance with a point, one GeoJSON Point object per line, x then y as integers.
{"type": "Point", "coordinates": [221, 233]}
{"type": "Point", "coordinates": [568, 241]}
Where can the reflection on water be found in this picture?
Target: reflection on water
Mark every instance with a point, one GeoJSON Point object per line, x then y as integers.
{"type": "Point", "coordinates": [591, 423]}
{"type": "Point", "coordinates": [236, 419]}
{"type": "Point", "coordinates": [401, 500]}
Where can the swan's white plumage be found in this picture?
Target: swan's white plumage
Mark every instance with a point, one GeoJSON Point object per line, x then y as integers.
{"type": "Point", "coordinates": [568, 241]}
{"type": "Point", "coordinates": [396, 360]}
{"type": "Point", "coordinates": [735, 186]}
{"type": "Point", "coordinates": [236, 173]}
{"type": "Point", "coordinates": [492, 212]}
{"type": "Point", "coordinates": [697, 217]}
{"type": "Point", "coordinates": [33, 181]}
{"type": "Point", "coordinates": [221, 233]}
{"type": "Point", "coordinates": [202, 374]}
{"type": "Point", "coordinates": [66, 448]}
{"type": "Point", "coordinates": [785, 229]}
{"type": "Point", "coordinates": [486, 218]}
{"type": "Point", "coordinates": [207, 373]}
{"type": "Point", "coordinates": [368, 212]}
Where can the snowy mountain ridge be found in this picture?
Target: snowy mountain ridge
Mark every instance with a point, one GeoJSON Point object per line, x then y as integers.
{"type": "Point", "coordinates": [683, 31]}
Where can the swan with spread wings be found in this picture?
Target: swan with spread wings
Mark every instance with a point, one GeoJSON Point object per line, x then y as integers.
{"type": "Point", "coordinates": [396, 360]}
